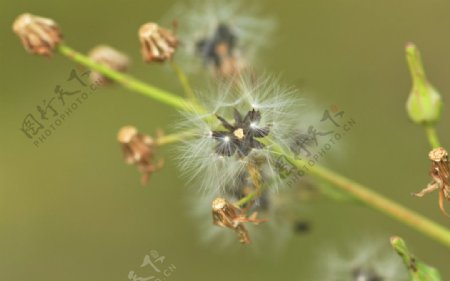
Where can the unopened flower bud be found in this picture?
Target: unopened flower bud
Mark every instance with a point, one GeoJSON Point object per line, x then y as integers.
{"type": "Point", "coordinates": [111, 58]}
{"type": "Point", "coordinates": [424, 103]}
{"type": "Point", "coordinates": [38, 35]}
{"type": "Point", "coordinates": [157, 43]}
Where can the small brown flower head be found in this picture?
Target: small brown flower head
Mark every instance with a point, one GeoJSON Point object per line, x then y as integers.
{"type": "Point", "coordinates": [439, 154]}
{"type": "Point", "coordinates": [139, 150]}
{"type": "Point", "coordinates": [38, 35]}
{"type": "Point", "coordinates": [157, 43]}
{"type": "Point", "coordinates": [230, 216]}
{"type": "Point", "coordinates": [110, 57]}
{"type": "Point", "coordinates": [440, 174]}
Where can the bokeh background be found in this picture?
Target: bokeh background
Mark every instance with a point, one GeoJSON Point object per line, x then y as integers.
{"type": "Point", "coordinates": [71, 209]}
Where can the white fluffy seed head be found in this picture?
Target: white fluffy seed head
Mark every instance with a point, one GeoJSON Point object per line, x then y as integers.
{"type": "Point", "coordinates": [368, 259]}
{"type": "Point", "coordinates": [198, 157]}
{"type": "Point", "coordinates": [199, 20]}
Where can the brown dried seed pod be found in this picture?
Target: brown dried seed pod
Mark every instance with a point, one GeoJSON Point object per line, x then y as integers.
{"type": "Point", "coordinates": [139, 149]}
{"type": "Point", "coordinates": [110, 57]}
{"type": "Point", "coordinates": [157, 43]}
{"type": "Point", "coordinates": [230, 216]}
{"type": "Point", "coordinates": [440, 174]}
{"type": "Point", "coordinates": [439, 154]}
{"type": "Point", "coordinates": [38, 35]}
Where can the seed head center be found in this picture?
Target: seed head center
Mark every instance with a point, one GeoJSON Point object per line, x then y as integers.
{"type": "Point", "coordinates": [239, 133]}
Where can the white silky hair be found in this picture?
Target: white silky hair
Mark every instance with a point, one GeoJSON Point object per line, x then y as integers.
{"type": "Point", "coordinates": [371, 255]}
{"type": "Point", "coordinates": [199, 19]}
{"type": "Point", "coordinates": [280, 109]}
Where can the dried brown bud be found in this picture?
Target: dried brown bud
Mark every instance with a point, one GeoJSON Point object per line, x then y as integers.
{"type": "Point", "coordinates": [440, 174]}
{"type": "Point", "coordinates": [439, 154]}
{"type": "Point", "coordinates": [230, 216]}
{"type": "Point", "coordinates": [157, 43]}
{"type": "Point", "coordinates": [38, 35]}
{"type": "Point", "coordinates": [139, 150]}
{"type": "Point", "coordinates": [111, 58]}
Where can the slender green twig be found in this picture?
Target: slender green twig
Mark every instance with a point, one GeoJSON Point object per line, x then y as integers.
{"type": "Point", "coordinates": [246, 199]}
{"type": "Point", "coordinates": [125, 80]}
{"type": "Point", "coordinates": [432, 136]}
{"type": "Point", "coordinates": [360, 192]}
{"type": "Point", "coordinates": [183, 80]}
{"type": "Point", "coordinates": [377, 201]}
{"type": "Point", "coordinates": [385, 205]}
{"type": "Point", "coordinates": [172, 138]}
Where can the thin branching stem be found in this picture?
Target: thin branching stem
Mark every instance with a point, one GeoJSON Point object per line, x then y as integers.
{"type": "Point", "coordinates": [362, 193]}
{"type": "Point", "coordinates": [184, 81]}
{"type": "Point", "coordinates": [125, 80]}
{"type": "Point", "coordinates": [173, 138]}
{"type": "Point", "coordinates": [432, 136]}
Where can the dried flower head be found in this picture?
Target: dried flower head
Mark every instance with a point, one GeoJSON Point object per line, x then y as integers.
{"type": "Point", "coordinates": [157, 43]}
{"type": "Point", "coordinates": [232, 138]}
{"type": "Point", "coordinates": [38, 35]}
{"type": "Point", "coordinates": [139, 150]}
{"type": "Point", "coordinates": [240, 137]}
{"type": "Point", "coordinates": [440, 174]}
{"type": "Point", "coordinates": [228, 215]}
{"type": "Point", "coordinates": [110, 57]}
{"type": "Point", "coordinates": [222, 36]}
{"type": "Point", "coordinates": [281, 209]}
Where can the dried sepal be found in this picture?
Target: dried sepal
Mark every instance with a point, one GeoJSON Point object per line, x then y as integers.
{"type": "Point", "coordinates": [241, 136]}
{"type": "Point", "coordinates": [157, 43]}
{"type": "Point", "coordinates": [38, 35]}
{"type": "Point", "coordinates": [110, 57]}
{"type": "Point", "coordinates": [440, 174]}
{"type": "Point", "coordinates": [139, 149]}
{"type": "Point", "coordinates": [230, 216]}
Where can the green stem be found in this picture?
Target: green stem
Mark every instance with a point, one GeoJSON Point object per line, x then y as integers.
{"type": "Point", "coordinates": [173, 138]}
{"type": "Point", "coordinates": [183, 80]}
{"type": "Point", "coordinates": [246, 199]}
{"type": "Point", "coordinates": [378, 202]}
{"type": "Point", "coordinates": [384, 205]}
{"type": "Point", "coordinates": [125, 80]}
{"type": "Point", "coordinates": [432, 136]}
{"type": "Point", "coordinates": [360, 192]}
{"type": "Point", "coordinates": [369, 198]}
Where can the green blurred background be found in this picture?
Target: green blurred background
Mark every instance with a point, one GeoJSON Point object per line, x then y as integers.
{"type": "Point", "coordinates": [71, 209]}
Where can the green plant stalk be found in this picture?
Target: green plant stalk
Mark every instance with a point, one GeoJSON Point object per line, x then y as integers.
{"type": "Point", "coordinates": [173, 138]}
{"type": "Point", "coordinates": [183, 80]}
{"type": "Point", "coordinates": [368, 197]}
{"type": "Point", "coordinates": [432, 136]}
{"type": "Point", "coordinates": [383, 204]}
{"type": "Point", "coordinates": [125, 80]}
{"type": "Point", "coordinates": [360, 192]}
